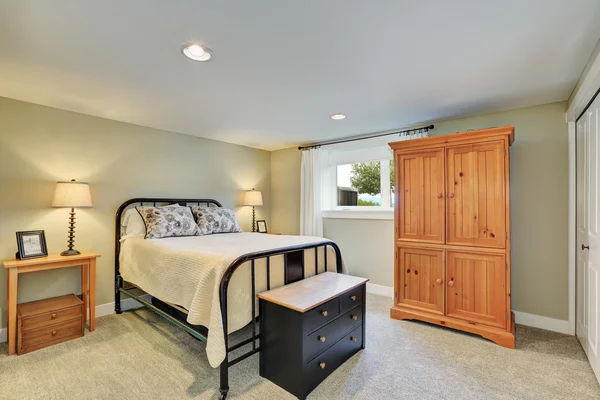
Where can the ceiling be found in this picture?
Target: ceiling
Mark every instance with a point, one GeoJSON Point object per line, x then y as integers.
{"type": "Point", "coordinates": [280, 68]}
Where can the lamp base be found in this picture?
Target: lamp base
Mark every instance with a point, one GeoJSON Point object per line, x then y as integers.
{"type": "Point", "coordinates": [70, 253]}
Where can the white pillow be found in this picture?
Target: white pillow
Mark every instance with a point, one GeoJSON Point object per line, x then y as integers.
{"type": "Point", "coordinates": [132, 224]}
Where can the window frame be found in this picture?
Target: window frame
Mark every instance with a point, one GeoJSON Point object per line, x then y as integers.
{"type": "Point", "coordinates": [331, 209]}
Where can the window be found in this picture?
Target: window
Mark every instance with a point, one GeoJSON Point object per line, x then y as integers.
{"type": "Point", "coordinates": [365, 184]}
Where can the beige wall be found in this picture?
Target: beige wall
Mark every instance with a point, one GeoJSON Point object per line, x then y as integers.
{"type": "Point", "coordinates": [539, 214]}
{"type": "Point", "coordinates": [285, 190]}
{"type": "Point", "coordinates": [367, 247]}
{"type": "Point", "coordinates": [40, 145]}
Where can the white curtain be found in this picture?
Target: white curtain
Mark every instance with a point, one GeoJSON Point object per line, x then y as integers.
{"type": "Point", "coordinates": [311, 221]}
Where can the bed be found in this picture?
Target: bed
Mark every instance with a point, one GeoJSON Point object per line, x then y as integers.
{"type": "Point", "coordinates": [207, 285]}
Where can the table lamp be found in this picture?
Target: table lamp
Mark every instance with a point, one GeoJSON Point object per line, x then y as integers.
{"type": "Point", "coordinates": [253, 198]}
{"type": "Point", "coordinates": [72, 195]}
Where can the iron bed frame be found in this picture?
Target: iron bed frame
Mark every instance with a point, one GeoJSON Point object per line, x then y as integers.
{"type": "Point", "coordinates": [293, 271]}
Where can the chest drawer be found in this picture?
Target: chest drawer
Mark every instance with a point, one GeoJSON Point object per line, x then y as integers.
{"type": "Point", "coordinates": [325, 336]}
{"type": "Point", "coordinates": [51, 318]}
{"type": "Point", "coordinates": [322, 366]}
{"type": "Point", "coordinates": [321, 315]}
{"type": "Point", "coordinates": [351, 299]}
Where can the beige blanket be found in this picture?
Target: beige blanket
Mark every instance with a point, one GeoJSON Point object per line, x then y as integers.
{"type": "Point", "coordinates": [187, 271]}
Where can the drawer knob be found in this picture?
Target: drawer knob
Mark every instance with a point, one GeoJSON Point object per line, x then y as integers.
{"type": "Point", "coordinates": [451, 282]}
{"type": "Point", "coordinates": [322, 365]}
{"type": "Point", "coordinates": [353, 298]}
{"type": "Point", "coordinates": [322, 338]}
{"type": "Point", "coordinates": [451, 195]}
{"type": "Point", "coordinates": [324, 313]}
{"type": "Point", "coordinates": [439, 280]}
{"type": "Point", "coordinates": [54, 333]}
{"type": "Point", "coordinates": [53, 316]}
{"type": "Point", "coordinates": [353, 338]}
{"type": "Point", "coordinates": [354, 317]}
{"type": "Point", "coordinates": [439, 195]}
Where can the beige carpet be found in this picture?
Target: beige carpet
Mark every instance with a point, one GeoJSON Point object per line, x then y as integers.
{"type": "Point", "coordinates": [138, 355]}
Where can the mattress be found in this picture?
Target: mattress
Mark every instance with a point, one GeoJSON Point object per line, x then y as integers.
{"type": "Point", "coordinates": [187, 271]}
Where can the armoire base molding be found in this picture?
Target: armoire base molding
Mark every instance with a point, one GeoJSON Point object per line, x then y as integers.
{"type": "Point", "coordinates": [498, 336]}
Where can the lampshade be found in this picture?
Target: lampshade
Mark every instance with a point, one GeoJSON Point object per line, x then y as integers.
{"type": "Point", "coordinates": [72, 195]}
{"type": "Point", "coordinates": [253, 198]}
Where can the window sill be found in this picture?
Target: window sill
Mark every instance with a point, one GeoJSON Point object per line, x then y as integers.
{"type": "Point", "coordinates": [387, 214]}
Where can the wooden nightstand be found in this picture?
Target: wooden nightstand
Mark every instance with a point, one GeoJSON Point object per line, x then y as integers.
{"type": "Point", "coordinates": [14, 267]}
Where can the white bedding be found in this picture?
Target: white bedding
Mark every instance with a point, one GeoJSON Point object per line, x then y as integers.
{"type": "Point", "coordinates": [187, 271]}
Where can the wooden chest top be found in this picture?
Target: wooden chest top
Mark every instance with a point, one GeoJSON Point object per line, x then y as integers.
{"type": "Point", "coordinates": [312, 292]}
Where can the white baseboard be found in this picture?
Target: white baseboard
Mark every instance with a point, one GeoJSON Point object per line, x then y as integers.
{"type": "Point", "coordinates": [381, 290]}
{"type": "Point", "coordinates": [126, 304]}
{"type": "Point", "coordinates": [101, 310]}
{"type": "Point", "coordinates": [538, 321]}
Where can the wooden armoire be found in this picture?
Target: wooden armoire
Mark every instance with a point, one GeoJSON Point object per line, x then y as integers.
{"type": "Point", "coordinates": [452, 232]}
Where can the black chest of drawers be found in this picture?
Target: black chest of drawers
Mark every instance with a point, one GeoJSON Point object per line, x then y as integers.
{"type": "Point", "coordinates": [310, 328]}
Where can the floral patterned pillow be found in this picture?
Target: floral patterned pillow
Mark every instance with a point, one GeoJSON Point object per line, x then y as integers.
{"type": "Point", "coordinates": [168, 221]}
{"type": "Point", "coordinates": [215, 220]}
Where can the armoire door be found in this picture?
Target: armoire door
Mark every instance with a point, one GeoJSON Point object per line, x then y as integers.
{"type": "Point", "coordinates": [588, 234]}
{"type": "Point", "coordinates": [420, 183]}
{"type": "Point", "coordinates": [420, 274]}
{"type": "Point", "coordinates": [476, 195]}
{"type": "Point", "coordinates": [476, 287]}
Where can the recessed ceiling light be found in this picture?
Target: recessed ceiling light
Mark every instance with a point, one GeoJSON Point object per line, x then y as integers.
{"type": "Point", "coordinates": [197, 52]}
{"type": "Point", "coordinates": [338, 116]}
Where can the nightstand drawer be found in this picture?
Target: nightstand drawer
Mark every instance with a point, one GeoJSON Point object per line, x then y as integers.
{"type": "Point", "coordinates": [321, 315]}
{"type": "Point", "coordinates": [50, 318]}
{"type": "Point", "coordinates": [323, 365]}
{"type": "Point", "coordinates": [351, 299]}
{"type": "Point", "coordinates": [42, 337]}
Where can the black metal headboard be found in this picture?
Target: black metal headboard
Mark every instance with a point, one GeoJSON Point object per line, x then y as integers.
{"type": "Point", "coordinates": [154, 202]}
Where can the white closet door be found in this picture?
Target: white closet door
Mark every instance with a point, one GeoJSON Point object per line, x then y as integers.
{"type": "Point", "coordinates": [582, 238]}
{"type": "Point", "coordinates": [588, 233]}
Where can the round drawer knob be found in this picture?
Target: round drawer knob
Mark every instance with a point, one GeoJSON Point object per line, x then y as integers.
{"type": "Point", "coordinates": [353, 338]}
{"type": "Point", "coordinates": [451, 195]}
{"type": "Point", "coordinates": [439, 280]}
{"type": "Point", "coordinates": [54, 333]}
{"type": "Point", "coordinates": [53, 316]}
{"type": "Point", "coordinates": [439, 195]}
{"type": "Point", "coordinates": [322, 365]}
{"type": "Point", "coordinates": [353, 298]}
{"type": "Point", "coordinates": [450, 283]}
{"type": "Point", "coordinates": [322, 338]}
{"type": "Point", "coordinates": [324, 313]}
{"type": "Point", "coordinates": [354, 317]}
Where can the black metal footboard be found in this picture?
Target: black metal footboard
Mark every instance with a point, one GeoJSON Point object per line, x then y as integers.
{"type": "Point", "coordinates": [294, 270]}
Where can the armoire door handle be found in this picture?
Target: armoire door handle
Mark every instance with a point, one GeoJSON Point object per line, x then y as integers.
{"type": "Point", "coordinates": [439, 280]}
{"type": "Point", "coordinates": [451, 282]}
{"type": "Point", "coordinates": [584, 247]}
{"type": "Point", "coordinates": [439, 195]}
{"type": "Point", "coordinates": [450, 195]}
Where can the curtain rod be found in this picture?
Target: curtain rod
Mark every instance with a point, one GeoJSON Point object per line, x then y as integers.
{"type": "Point", "coordinates": [317, 145]}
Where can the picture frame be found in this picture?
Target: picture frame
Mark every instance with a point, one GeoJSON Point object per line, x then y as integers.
{"type": "Point", "coordinates": [261, 226]}
{"type": "Point", "coordinates": [31, 244]}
